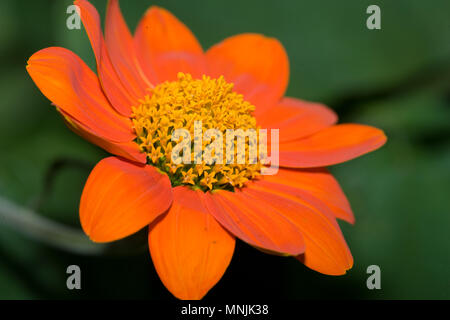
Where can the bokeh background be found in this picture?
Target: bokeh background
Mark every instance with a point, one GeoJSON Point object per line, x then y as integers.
{"type": "Point", "coordinates": [396, 78]}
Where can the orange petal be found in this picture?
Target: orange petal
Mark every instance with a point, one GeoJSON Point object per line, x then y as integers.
{"type": "Point", "coordinates": [296, 118]}
{"type": "Point", "coordinates": [69, 83]}
{"type": "Point", "coordinates": [120, 198]}
{"type": "Point", "coordinates": [189, 249]}
{"type": "Point", "coordinates": [258, 66]}
{"type": "Point", "coordinates": [128, 150]}
{"type": "Point", "coordinates": [320, 184]}
{"type": "Point", "coordinates": [165, 46]}
{"type": "Point", "coordinates": [325, 248]}
{"type": "Point", "coordinates": [121, 51]}
{"type": "Point", "coordinates": [262, 226]}
{"type": "Point", "coordinates": [330, 146]}
{"type": "Point", "coordinates": [117, 94]}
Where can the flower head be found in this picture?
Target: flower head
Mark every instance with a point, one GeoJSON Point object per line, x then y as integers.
{"type": "Point", "coordinates": [159, 80]}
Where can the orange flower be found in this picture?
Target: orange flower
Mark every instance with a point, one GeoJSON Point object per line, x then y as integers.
{"type": "Point", "coordinates": [161, 79]}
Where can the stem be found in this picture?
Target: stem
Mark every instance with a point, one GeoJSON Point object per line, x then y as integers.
{"type": "Point", "coordinates": [49, 232]}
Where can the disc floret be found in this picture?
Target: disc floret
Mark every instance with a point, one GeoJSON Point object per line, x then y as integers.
{"type": "Point", "coordinates": [181, 104]}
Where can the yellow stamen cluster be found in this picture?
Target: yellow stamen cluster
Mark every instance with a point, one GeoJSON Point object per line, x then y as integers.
{"type": "Point", "coordinates": [177, 105]}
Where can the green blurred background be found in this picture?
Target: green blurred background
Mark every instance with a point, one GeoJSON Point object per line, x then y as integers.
{"type": "Point", "coordinates": [396, 78]}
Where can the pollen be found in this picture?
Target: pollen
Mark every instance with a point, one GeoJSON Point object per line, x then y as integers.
{"type": "Point", "coordinates": [183, 104]}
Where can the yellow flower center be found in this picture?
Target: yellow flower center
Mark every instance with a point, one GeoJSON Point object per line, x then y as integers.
{"type": "Point", "coordinates": [197, 105]}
